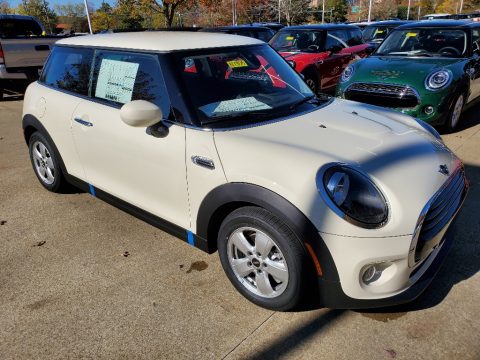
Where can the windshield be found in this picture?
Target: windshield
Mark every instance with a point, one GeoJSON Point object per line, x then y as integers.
{"type": "Point", "coordinates": [298, 40]}
{"type": "Point", "coordinates": [249, 83]}
{"type": "Point", "coordinates": [425, 42]}
{"type": "Point", "coordinates": [375, 33]}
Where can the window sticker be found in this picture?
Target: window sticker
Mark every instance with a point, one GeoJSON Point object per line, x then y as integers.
{"type": "Point", "coordinates": [237, 63]}
{"type": "Point", "coordinates": [116, 80]}
{"type": "Point", "coordinates": [411, 34]}
{"type": "Point", "coordinates": [378, 31]}
{"type": "Point", "coordinates": [289, 38]}
{"type": "Point", "coordinates": [234, 105]}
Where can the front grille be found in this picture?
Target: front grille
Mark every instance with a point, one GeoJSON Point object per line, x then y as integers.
{"type": "Point", "coordinates": [441, 211]}
{"type": "Point", "coordinates": [394, 96]}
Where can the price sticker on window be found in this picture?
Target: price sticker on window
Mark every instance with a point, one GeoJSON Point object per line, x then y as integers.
{"type": "Point", "coordinates": [237, 63]}
{"type": "Point", "coordinates": [289, 38]}
{"type": "Point", "coordinates": [411, 34]}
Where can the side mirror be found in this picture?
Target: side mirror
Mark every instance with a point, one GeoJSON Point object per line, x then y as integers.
{"type": "Point", "coordinates": [292, 63]}
{"type": "Point", "coordinates": [140, 113]}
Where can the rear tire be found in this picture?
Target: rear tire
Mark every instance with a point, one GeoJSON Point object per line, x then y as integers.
{"type": "Point", "coordinates": [263, 258]}
{"type": "Point", "coordinates": [45, 163]}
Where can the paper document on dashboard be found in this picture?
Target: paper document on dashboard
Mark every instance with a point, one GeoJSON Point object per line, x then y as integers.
{"type": "Point", "coordinates": [234, 105]}
{"type": "Point", "coordinates": [116, 80]}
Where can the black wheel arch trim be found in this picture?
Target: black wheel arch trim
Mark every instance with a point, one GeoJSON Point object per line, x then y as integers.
{"type": "Point", "coordinates": [30, 121]}
{"type": "Point", "coordinates": [227, 197]}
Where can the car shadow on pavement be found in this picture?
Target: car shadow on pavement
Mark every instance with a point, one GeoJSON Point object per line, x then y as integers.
{"type": "Point", "coordinates": [293, 339]}
{"type": "Point", "coordinates": [463, 260]}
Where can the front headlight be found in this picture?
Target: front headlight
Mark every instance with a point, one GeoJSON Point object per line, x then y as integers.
{"type": "Point", "coordinates": [429, 128]}
{"type": "Point", "coordinates": [353, 196]}
{"type": "Point", "coordinates": [438, 80]}
{"type": "Point", "coordinates": [348, 73]}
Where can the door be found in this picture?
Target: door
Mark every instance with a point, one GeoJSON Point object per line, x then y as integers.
{"type": "Point", "coordinates": [474, 66]}
{"type": "Point", "coordinates": [332, 67]}
{"type": "Point", "coordinates": [126, 161]}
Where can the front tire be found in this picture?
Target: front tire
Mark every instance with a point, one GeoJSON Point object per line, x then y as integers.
{"type": "Point", "coordinates": [45, 163]}
{"type": "Point", "coordinates": [312, 83]}
{"type": "Point", "coordinates": [263, 258]}
{"type": "Point", "coordinates": [455, 113]}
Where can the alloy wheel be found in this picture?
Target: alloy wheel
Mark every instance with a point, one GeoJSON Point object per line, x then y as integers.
{"type": "Point", "coordinates": [257, 262]}
{"type": "Point", "coordinates": [43, 163]}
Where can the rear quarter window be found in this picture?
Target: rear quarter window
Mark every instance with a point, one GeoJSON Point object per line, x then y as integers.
{"type": "Point", "coordinates": [68, 69]}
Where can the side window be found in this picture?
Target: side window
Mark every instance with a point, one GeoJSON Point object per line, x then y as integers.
{"type": "Point", "coordinates": [120, 77]}
{"type": "Point", "coordinates": [333, 43]}
{"type": "Point", "coordinates": [340, 35]}
{"type": "Point", "coordinates": [264, 35]}
{"type": "Point", "coordinates": [68, 68]}
{"type": "Point", "coordinates": [476, 37]}
{"type": "Point", "coordinates": [355, 38]}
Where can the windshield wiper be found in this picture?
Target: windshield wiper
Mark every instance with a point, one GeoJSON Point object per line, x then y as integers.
{"type": "Point", "coordinates": [309, 99]}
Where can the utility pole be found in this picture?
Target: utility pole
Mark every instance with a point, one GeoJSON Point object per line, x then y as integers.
{"type": "Point", "coordinates": [88, 16]}
{"type": "Point", "coordinates": [369, 10]}
{"type": "Point", "coordinates": [234, 12]}
{"type": "Point", "coordinates": [323, 11]}
{"type": "Point", "coordinates": [279, 11]}
{"type": "Point", "coordinates": [408, 10]}
{"type": "Point", "coordinates": [461, 6]}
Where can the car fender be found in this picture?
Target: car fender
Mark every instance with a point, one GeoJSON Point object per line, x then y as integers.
{"type": "Point", "coordinates": [225, 198]}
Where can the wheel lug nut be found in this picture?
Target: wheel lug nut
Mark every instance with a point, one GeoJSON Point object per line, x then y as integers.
{"type": "Point", "coordinates": [258, 254]}
{"type": "Point", "coordinates": [249, 263]}
{"type": "Point", "coordinates": [250, 253]}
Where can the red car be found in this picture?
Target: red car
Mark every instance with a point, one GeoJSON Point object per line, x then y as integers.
{"type": "Point", "coordinates": [320, 52]}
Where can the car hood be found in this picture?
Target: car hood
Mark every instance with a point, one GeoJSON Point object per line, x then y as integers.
{"type": "Point", "coordinates": [400, 70]}
{"type": "Point", "coordinates": [285, 156]}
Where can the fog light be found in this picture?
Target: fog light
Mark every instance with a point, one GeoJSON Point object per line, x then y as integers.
{"type": "Point", "coordinates": [428, 110]}
{"type": "Point", "coordinates": [369, 274]}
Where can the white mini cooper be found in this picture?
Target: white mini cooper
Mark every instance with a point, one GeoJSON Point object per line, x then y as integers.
{"type": "Point", "coordinates": [217, 140]}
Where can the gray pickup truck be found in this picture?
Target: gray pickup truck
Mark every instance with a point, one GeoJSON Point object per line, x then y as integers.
{"type": "Point", "coordinates": [24, 47]}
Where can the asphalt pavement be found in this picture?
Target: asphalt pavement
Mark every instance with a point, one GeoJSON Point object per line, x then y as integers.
{"type": "Point", "coordinates": [80, 279]}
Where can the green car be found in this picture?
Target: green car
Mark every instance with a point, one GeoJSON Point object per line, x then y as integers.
{"type": "Point", "coordinates": [429, 70]}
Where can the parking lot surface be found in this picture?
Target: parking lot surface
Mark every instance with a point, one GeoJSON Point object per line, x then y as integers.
{"type": "Point", "coordinates": [82, 279]}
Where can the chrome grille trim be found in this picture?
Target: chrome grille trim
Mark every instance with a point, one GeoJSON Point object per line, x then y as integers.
{"type": "Point", "coordinates": [436, 216]}
{"type": "Point", "coordinates": [397, 90]}
{"type": "Point", "coordinates": [404, 95]}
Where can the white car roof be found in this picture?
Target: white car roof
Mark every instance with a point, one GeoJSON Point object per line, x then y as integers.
{"type": "Point", "coordinates": [160, 40]}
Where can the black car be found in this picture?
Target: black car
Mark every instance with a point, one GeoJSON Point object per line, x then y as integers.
{"type": "Point", "coordinates": [375, 33]}
{"type": "Point", "coordinates": [258, 32]}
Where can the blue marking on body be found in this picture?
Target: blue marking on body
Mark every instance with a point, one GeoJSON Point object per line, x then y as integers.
{"type": "Point", "coordinates": [190, 238]}
{"type": "Point", "coordinates": [92, 189]}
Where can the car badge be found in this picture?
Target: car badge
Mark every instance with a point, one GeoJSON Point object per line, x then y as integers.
{"type": "Point", "coordinates": [387, 74]}
{"type": "Point", "coordinates": [443, 169]}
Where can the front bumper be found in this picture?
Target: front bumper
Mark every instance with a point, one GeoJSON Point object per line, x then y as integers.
{"type": "Point", "coordinates": [5, 75]}
{"type": "Point", "coordinates": [332, 295]}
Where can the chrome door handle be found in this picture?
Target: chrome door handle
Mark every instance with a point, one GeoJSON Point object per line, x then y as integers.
{"type": "Point", "coordinates": [83, 122]}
